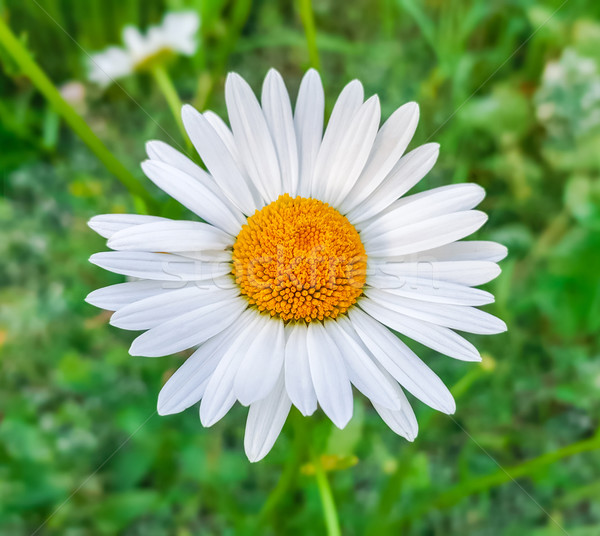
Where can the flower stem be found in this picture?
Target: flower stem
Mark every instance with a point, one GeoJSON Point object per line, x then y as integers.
{"type": "Point", "coordinates": [167, 88]}
{"type": "Point", "coordinates": [506, 474]}
{"type": "Point", "coordinates": [40, 80]}
{"type": "Point", "coordinates": [290, 474]}
{"type": "Point", "coordinates": [310, 31]}
{"type": "Point", "coordinates": [327, 501]}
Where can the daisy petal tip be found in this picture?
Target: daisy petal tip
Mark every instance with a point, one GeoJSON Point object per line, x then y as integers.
{"type": "Point", "coordinates": [189, 112]}
{"type": "Point", "coordinates": [355, 85]}
{"type": "Point", "coordinates": [112, 243]}
{"type": "Point", "coordinates": [96, 225]}
{"type": "Point", "coordinates": [413, 107]}
{"type": "Point", "coordinates": [273, 73]}
{"type": "Point", "coordinates": [253, 454]}
{"type": "Point", "coordinates": [208, 415]}
{"type": "Point", "coordinates": [162, 409]}
{"type": "Point", "coordinates": [91, 298]}
{"type": "Point", "coordinates": [306, 411]}
{"type": "Point", "coordinates": [140, 349]}
{"type": "Point", "coordinates": [233, 78]}
{"type": "Point", "coordinates": [148, 165]}
{"type": "Point", "coordinates": [206, 422]}
{"type": "Point", "coordinates": [373, 100]}
{"type": "Point", "coordinates": [151, 147]}
{"type": "Point", "coordinates": [341, 421]}
{"type": "Point", "coordinates": [95, 259]}
{"type": "Point", "coordinates": [449, 405]}
{"type": "Point", "coordinates": [165, 406]}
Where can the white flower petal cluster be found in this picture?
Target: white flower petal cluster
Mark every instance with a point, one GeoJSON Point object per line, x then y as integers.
{"type": "Point", "coordinates": [176, 34]}
{"type": "Point", "coordinates": [568, 99]}
{"type": "Point", "coordinates": [274, 165]}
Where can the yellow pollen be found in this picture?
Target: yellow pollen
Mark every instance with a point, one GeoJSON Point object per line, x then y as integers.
{"type": "Point", "coordinates": [299, 259]}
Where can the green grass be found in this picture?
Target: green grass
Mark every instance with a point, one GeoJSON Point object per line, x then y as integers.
{"type": "Point", "coordinates": [82, 451]}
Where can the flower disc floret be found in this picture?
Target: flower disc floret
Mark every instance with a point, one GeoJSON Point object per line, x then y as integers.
{"type": "Point", "coordinates": [300, 259]}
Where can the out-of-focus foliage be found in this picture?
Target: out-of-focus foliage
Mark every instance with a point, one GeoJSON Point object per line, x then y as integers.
{"type": "Point", "coordinates": [510, 89]}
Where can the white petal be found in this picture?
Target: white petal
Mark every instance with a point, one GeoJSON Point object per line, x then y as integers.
{"type": "Point", "coordinates": [225, 134]}
{"type": "Point", "coordinates": [329, 375]}
{"type": "Point", "coordinates": [458, 317]}
{"type": "Point", "coordinates": [402, 421]}
{"type": "Point", "coordinates": [159, 266]}
{"type": "Point", "coordinates": [402, 363]}
{"type": "Point", "coordinates": [163, 152]}
{"type": "Point", "coordinates": [278, 114]}
{"type": "Point", "coordinates": [114, 297]}
{"type": "Point", "coordinates": [432, 290]}
{"type": "Point", "coordinates": [343, 167]}
{"type": "Point", "coordinates": [155, 310]}
{"type": "Point", "coordinates": [198, 195]}
{"type": "Point", "coordinates": [252, 137]}
{"type": "Point", "coordinates": [298, 381]}
{"type": "Point", "coordinates": [362, 371]}
{"type": "Point", "coordinates": [265, 421]}
{"type": "Point", "coordinates": [179, 30]}
{"type": "Point", "coordinates": [392, 274]}
{"type": "Point", "coordinates": [346, 106]}
{"type": "Point", "coordinates": [107, 66]}
{"type": "Point", "coordinates": [171, 237]}
{"type": "Point", "coordinates": [468, 250]}
{"type": "Point", "coordinates": [219, 395]}
{"type": "Point", "coordinates": [187, 385]}
{"type": "Point", "coordinates": [436, 337]}
{"type": "Point", "coordinates": [216, 208]}
{"type": "Point", "coordinates": [210, 255]}
{"type": "Point", "coordinates": [190, 329]}
{"type": "Point", "coordinates": [108, 224]}
{"type": "Point", "coordinates": [390, 143]}
{"type": "Point", "coordinates": [427, 234]}
{"type": "Point", "coordinates": [419, 207]}
{"type": "Point", "coordinates": [408, 171]}
{"type": "Point", "coordinates": [308, 121]}
{"type": "Point", "coordinates": [262, 362]}
{"type": "Point", "coordinates": [219, 161]}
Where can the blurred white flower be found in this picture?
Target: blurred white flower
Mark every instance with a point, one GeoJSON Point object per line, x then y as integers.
{"type": "Point", "coordinates": [176, 34]}
{"type": "Point", "coordinates": [568, 99]}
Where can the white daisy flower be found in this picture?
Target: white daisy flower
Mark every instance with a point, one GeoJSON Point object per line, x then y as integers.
{"type": "Point", "coordinates": [176, 34]}
{"type": "Point", "coordinates": [308, 256]}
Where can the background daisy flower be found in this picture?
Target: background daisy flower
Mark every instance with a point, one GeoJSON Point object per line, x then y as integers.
{"type": "Point", "coordinates": [309, 254]}
{"type": "Point", "coordinates": [176, 34]}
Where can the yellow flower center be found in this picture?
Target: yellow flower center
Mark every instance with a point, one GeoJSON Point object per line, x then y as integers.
{"type": "Point", "coordinates": [299, 259]}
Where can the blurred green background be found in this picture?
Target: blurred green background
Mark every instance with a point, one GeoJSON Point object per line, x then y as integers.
{"type": "Point", "coordinates": [511, 91]}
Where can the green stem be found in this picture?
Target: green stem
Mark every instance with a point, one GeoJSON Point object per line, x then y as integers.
{"type": "Point", "coordinates": [477, 485]}
{"type": "Point", "coordinates": [393, 487]}
{"type": "Point", "coordinates": [289, 475]}
{"type": "Point", "coordinates": [44, 85]}
{"type": "Point", "coordinates": [167, 88]}
{"type": "Point", "coordinates": [327, 501]}
{"type": "Point", "coordinates": [310, 31]}
{"type": "Point", "coordinates": [551, 235]}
